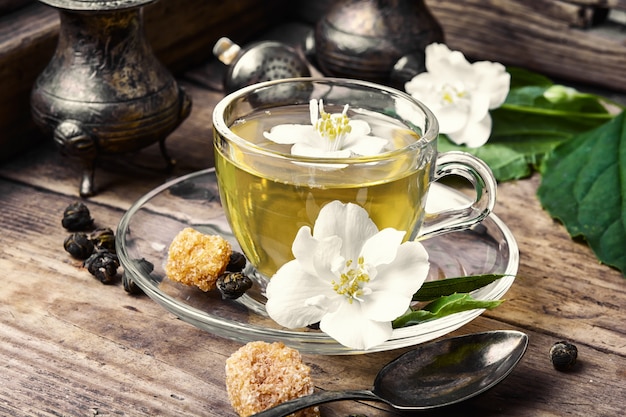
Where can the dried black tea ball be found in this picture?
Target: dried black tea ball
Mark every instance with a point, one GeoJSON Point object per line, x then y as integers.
{"type": "Point", "coordinates": [78, 245]}
{"type": "Point", "coordinates": [563, 355]}
{"type": "Point", "coordinates": [103, 238]}
{"type": "Point", "coordinates": [103, 265]}
{"type": "Point", "coordinates": [130, 286]}
{"type": "Point", "coordinates": [76, 217]}
{"type": "Point", "coordinates": [237, 262]}
{"type": "Point", "coordinates": [145, 267]}
{"type": "Point", "coordinates": [233, 285]}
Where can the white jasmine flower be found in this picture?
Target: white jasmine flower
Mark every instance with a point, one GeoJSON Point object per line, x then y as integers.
{"type": "Point", "coordinates": [347, 275]}
{"type": "Point", "coordinates": [328, 136]}
{"type": "Point", "coordinates": [460, 94]}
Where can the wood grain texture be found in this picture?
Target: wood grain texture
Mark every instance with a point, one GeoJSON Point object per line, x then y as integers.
{"type": "Point", "coordinates": [70, 345]}
{"type": "Point", "coordinates": [559, 38]}
{"type": "Point", "coordinates": [550, 37]}
{"type": "Point", "coordinates": [610, 4]}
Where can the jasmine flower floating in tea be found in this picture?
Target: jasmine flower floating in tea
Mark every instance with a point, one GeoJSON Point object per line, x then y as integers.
{"type": "Point", "coordinates": [330, 135]}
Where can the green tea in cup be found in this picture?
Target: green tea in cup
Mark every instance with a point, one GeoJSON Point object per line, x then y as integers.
{"type": "Point", "coordinates": [286, 148]}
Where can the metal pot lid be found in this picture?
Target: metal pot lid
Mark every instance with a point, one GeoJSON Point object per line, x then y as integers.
{"type": "Point", "coordinates": [96, 5]}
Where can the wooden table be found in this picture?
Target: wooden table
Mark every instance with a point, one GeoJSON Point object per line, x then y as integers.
{"type": "Point", "coordinates": [71, 346]}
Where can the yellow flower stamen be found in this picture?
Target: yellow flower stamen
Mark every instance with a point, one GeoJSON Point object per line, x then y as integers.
{"type": "Point", "coordinates": [351, 281]}
{"type": "Point", "coordinates": [451, 93]}
{"type": "Point", "coordinates": [333, 127]}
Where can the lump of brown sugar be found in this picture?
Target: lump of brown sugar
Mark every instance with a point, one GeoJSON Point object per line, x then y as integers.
{"type": "Point", "coordinates": [261, 375]}
{"type": "Point", "coordinates": [198, 259]}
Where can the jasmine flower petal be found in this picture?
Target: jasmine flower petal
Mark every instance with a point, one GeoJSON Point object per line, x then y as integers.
{"type": "Point", "coordinates": [359, 128]}
{"type": "Point", "coordinates": [350, 328]}
{"type": "Point", "coordinates": [324, 303]}
{"type": "Point", "coordinates": [385, 305]}
{"type": "Point", "coordinates": [347, 221]}
{"type": "Point", "coordinates": [290, 134]}
{"type": "Point", "coordinates": [304, 245]}
{"type": "Point", "coordinates": [305, 149]}
{"type": "Point", "coordinates": [402, 279]}
{"type": "Point", "coordinates": [366, 145]}
{"type": "Point", "coordinates": [474, 134]}
{"type": "Point", "coordinates": [327, 258]}
{"type": "Point", "coordinates": [494, 81]}
{"type": "Point", "coordinates": [408, 271]}
{"type": "Point", "coordinates": [287, 294]}
{"type": "Point", "coordinates": [479, 107]}
{"type": "Point", "coordinates": [452, 118]}
{"type": "Point", "coordinates": [382, 248]}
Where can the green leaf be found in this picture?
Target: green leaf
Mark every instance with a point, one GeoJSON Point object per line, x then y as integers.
{"type": "Point", "coordinates": [443, 306]}
{"type": "Point", "coordinates": [521, 77]}
{"type": "Point", "coordinates": [434, 289]}
{"type": "Point", "coordinates": [512, 159]}
{"type": "Point", "coordinates": [563, 102]}
{"type": "Point", "coordinates": [584, 186]}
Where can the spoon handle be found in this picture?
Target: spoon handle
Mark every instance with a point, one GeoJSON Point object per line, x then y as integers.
{"type": "Point", "coordinates": [319, 397]}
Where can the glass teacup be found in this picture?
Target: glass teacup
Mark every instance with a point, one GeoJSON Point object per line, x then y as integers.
{"type": "Point", "coordinates": [269, 190]}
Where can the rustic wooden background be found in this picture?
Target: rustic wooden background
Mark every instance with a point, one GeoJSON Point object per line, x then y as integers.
{"type": "Point", "coordinates": [70, 346]}
{"type": "Point", "coordinates": [577, 40]}
{"type": "Point", "coordinates": [582, 41]}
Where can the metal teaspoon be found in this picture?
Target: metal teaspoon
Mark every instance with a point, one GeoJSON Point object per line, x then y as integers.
{"type": "Point", "coordinates": [432, 375]}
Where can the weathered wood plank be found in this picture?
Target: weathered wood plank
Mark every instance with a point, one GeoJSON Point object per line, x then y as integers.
{"type": "Point", "coordinates": [72, 346]}
{"type": "Point", "coordinates": [80, 347]}
{"type": "Point", "coordinates": [540, 35]}
{"type": "Point", "coordinates": [106, 322]}
{"type": "Point", "coordinates": [609, 4]}
{"type": "Point", "coordinates": [25, 48]}
{"type": "Point", "coordinates": [528, 34]}
{"type": "Point", "coordinates": [550, 282]}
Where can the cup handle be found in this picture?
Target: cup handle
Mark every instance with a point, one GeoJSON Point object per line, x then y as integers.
{"type": "Point", "coordinates": [480, 176]}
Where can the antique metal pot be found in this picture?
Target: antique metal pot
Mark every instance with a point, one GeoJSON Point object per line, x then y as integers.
{"type": "Point", "coordinates": [375, 40]}
{"type": "Point", "coordinates": [104, 92]}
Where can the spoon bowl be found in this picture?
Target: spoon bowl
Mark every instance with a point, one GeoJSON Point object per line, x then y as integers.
{"type": "Point", "coordinates": [434, 374]}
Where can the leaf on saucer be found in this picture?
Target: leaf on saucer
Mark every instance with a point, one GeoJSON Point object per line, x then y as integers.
{"type": "Point", "coordinates": [448, 286]}
{"type": "Point", "coordinates": [584, 186]}
{"type": "Point", "coordinates": [444, 306]}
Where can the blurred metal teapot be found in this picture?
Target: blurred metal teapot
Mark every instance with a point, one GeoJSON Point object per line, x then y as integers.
{"type": "Point", "coordinates": [377, 40]}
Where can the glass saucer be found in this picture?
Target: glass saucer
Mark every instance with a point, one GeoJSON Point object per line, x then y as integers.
{"type": "Point", "coordinates": [149, 226]}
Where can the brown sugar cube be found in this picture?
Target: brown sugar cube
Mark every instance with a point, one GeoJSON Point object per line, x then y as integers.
{"type": "Point", "coordinates": [198, 259]}
{"type": "Point", "coordinates": [261, 375]}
